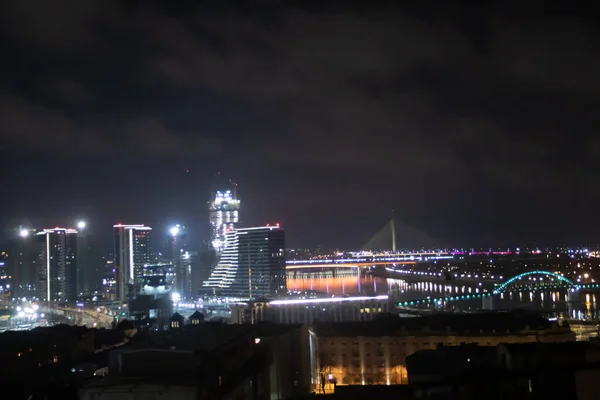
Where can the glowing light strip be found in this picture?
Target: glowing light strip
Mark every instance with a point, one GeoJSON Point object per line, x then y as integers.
{"type": "Point", "coordinates": [131, 254]}
{"type": "Point", "coordinates": [372, 260]}
{"type": "Point", "coordinates": [326, 300]}
{"type": "Point", "coordinates": [356, 265]}
{"type": "Point", "coordinates": [508, 282]}
{"type": "Point", "coordinates": [48, 266]}
{"type": "Point", "coordinates": [259, 227]}
{"type": "Point", "coordinates": [66, 230]}
{"type": "Point", "coordinates": [129, 226]}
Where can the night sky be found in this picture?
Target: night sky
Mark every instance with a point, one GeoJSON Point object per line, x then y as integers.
{"type": "Point", "coordinates": [479, 126]}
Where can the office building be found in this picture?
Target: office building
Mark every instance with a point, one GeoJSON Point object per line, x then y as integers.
{"type": "Point", "coordinates": [5, 276]}
{"type": "Point", "coordinates": [57, 265]}
{"type": "Point", "coordinates": [252, 264]}
{"type": "Point", "coordinates": [21, 266]}
{"type": "Point", "coordinates": [109, 282]}
{"type": "Point", "coordinates": [87, 275]}
{"type": "Point", "coordinates": [183, 261]}
{"type": "Point", "coordinates": [133, 250]}
{"type": "Point", "coordinates": [224, 208]}
{"type": "Point", "coordinates": [184, 267]}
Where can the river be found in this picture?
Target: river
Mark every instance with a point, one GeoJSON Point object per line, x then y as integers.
{"type": "Point", "coordinates": [563, 303]}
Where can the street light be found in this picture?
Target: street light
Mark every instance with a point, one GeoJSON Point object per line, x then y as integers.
{"type": "Point", "coordinates": [81, 224]}
{"type": "Point", "coordinates": [176, 297]}
{"type": "Point", "coordinates": [24, 233]}
{"type": "Point", "coordinates": [175, 230]}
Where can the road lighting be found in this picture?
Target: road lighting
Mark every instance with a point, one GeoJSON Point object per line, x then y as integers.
{"type": "Point", "coordinates": [24, 233]}
{"type": "Point", "coordinates": [175, 230]}
{"type": "Point", "coordinates": [81, 224]}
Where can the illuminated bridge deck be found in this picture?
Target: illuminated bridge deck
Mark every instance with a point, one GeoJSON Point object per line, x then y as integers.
{"type": "Point", "coordinates": [367, 262]}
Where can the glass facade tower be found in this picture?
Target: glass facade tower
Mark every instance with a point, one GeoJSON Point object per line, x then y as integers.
{"type": "Point", "coordinates": [57, 272]}
{"type": "Point", "coordinates": [133, 250]}
{"type": "Point", "coordinates": [252, 264]}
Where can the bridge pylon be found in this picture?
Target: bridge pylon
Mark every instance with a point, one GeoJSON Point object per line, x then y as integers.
{"type": "Point", "coordinates": [395, 231]}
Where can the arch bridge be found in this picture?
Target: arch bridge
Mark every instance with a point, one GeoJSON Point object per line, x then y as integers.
{"type": "Point", "coordinates": [555, 281]}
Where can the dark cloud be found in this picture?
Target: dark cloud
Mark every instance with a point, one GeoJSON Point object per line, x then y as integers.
{"type": "Point", "coordinates": [466, 120]}
{"type": "Point", "coordinates": [37, 128]}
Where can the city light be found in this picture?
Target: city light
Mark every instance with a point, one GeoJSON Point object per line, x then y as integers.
{"type": "Point", "coordinates": [175, 230]}
{"type": "Point", "coordinates": [81, 224]}
{"type": "Point", "coordinates": [176, 297]}
{"type": "Point", "coordinates": [327, 300]}
{"type": "Point", "coordinates": [24, 233]}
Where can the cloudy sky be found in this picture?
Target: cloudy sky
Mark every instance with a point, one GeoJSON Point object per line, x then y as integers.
{"type": "Point", "coordinates": [478, 126]}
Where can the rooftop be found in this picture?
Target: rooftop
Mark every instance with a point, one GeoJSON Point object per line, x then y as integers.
{"type": "Point", "coordinates": [489, 323]}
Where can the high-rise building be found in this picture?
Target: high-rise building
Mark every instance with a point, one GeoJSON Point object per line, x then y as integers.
{"type": "Point", "coordinates": [89, 264]}
{"type": "Point", "coordinates": [185, 266]}
{"type": "Point", "coordinates": [57, 265]}
{"type": "Point", "coordinates": [252, 264]}
{"type": "Point", "coordinates": [23, 256]}
{"type": "Point", "coordinates": [109, 282]}
{"type": "Point", "coordinates": [224, 208]}
{"type": "Point", "coordinates": [6, 285]}
{"type": "Point", "coordinates": [133, 250]}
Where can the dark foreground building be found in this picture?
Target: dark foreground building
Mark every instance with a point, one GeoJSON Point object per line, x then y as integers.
{"type": "Point", "coordinates": [375, 352]}
{"type": "Point", "coordinates": [54, 360]}
{"type": "Point", "coordinates": [209, 361]}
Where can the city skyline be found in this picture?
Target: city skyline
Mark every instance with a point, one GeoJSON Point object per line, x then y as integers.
{"type": "Point", "coordinates": [291, 199]}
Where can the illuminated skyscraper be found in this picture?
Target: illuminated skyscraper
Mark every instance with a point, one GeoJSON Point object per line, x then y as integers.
{"type": "Point", "coordinates": [224, 208]}
{"type": "Point", "coordinates": [252, 264]}
{"type": "Point", "coordinates": [57, 273]}
{"type": "Point", "coordinates": [133, 250]}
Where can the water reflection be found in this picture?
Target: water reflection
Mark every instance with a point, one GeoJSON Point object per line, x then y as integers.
{"type": "Point", "coordinates": [562, 303]}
